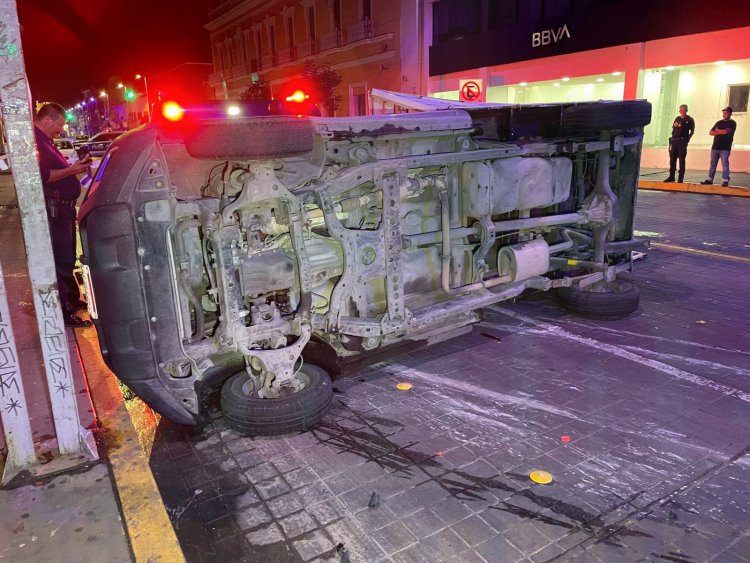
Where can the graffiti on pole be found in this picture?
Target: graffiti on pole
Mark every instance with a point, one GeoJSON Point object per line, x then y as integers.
{"type": "Point", "coordinates": [54, 340]}
{"type": "Point", "coordinates": [10, 392]}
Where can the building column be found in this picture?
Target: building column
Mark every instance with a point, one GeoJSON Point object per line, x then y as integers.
{"type": "Point", "coordinates": [633, 61]}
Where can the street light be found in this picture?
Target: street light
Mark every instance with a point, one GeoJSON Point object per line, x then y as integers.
{"type": "Point", "coordinates": [103, 94]}
{"type": "Point", "coordinates": [126, 96]}
{"type": "Point", "coordinates": [148, 100]}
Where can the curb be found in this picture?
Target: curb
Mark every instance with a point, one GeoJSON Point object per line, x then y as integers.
{"type": "Point", "coordinates": [150, 532]}
{"type": "Point", "coordinates": [693, 188]}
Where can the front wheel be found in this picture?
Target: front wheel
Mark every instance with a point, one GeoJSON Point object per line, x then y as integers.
{"type": "Point", "coordinates": [612, 300]}
{"type": "Point", "coordinates": [291, 411]}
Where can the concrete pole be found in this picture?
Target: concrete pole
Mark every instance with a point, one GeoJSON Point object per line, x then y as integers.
{"type": "Point", "coordinates": [13, 407]}
{"type": "Point", "coordinates": [16, 111]}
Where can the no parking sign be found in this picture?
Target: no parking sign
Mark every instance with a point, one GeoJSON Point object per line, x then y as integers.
{"type": "Point", "coordinates": [470, 90]}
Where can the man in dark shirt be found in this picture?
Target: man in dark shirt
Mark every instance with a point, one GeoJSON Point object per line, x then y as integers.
{"type": "Point", "coordinates": [682, 131]}
{"type": "Point", "coordinates": [723, 134]}
{"type": "Point", "coordinates": [61, 190]}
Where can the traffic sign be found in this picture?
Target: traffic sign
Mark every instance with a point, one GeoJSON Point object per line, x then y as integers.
{"type": "Point", "coordinates": [471, 90]}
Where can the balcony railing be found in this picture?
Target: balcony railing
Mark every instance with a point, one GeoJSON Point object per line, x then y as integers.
{"type": "Point", "coordinates": [330, 40]}
{"type": "Point", "coordinates": [306, 49]}
{"type": "Point", "coordinates": [361, 30]}
{"type": "Point", "coordinates": [215, 77]}
{"type": "Point", "coordinates": [267, 61]}
{"type": "Point", "coordinates": [285, 55]}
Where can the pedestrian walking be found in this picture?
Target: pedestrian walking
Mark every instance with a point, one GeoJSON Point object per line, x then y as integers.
{"type": "Point", "coordinates": [723, 134]}
{"type": "Point", "coordinates": [682, 131]}
{"type": "Point", "coordinates": [61, 190]}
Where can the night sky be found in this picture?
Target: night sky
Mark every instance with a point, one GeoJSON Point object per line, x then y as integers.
{"type": "Point", "coordinates": [72, 45]}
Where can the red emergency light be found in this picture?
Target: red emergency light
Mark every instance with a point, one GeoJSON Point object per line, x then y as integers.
{"type": "Point", "coordinates": [298, 96]}
{"type": "Point", "coordinates": [172, 111]}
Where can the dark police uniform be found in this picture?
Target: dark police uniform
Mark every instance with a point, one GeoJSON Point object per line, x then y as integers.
{"type": "Point", "coordinates": [682, 130]}
{"type": "Point", "coordinates": [60, 198]}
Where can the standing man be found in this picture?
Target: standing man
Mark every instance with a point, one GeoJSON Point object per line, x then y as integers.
{"type": "Point", "coordinates": [723, 134]}
{"type": "Point", "coordinates": [61, 190]}
{"type": "Point", "coordinates": [682, 131]}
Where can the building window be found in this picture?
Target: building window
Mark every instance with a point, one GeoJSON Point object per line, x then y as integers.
{"type": "Point", "coordinates": [361, 104]}
{"type": "Point", "coordinates": [336, 14]}
{"type": "Point", "coordinates": [358, 99]}
{"type": "Point", "coordinates": [738, 95]}
{"type": "Point", "coordinates": [272, 38]}
{"type": "Point", "coordinates": [705, 88]}
{"type": "Point", "coordinates": [258, 46]}
{"type": "Point", "coordinates": [554, 8]}
{"type": "Point", "coordinates": [311, 22]}
{"type": "Point", "coordinates": [238, 54]}
{"type": "Point", "coordinates": [218, 62]}
{"type": "Point", "coordinates": [290, 32]}
{"type": "Point", "coordinates": [228, 53]}
{"type": "Point", "coordinates": [501, 13]}
{"type": "Point", "coordinates": [455, 19]}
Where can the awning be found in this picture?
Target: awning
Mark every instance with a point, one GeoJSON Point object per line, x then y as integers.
{"type": "Point", "coordinates": [423, 103]}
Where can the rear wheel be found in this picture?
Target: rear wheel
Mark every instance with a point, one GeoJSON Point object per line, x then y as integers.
{"type": "Point", "coordinates": [611, 300]}
{"type": "Point", "coordinates": [291, 411]}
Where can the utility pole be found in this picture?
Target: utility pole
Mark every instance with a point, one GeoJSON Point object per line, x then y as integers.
{"type": "Point", "coordinates": [16, 111]}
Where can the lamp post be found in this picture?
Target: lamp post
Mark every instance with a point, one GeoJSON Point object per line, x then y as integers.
{"type": "Point", "coordinates": [85, 117]}
{"type": "Point", "coordinates": [103, 94]}
{"type": "Point", "coordinates": [148, 100]}
{"type": "Point", "coordinates": [121, 86]}
{"type": "Point", "coordinates": [79, 113]}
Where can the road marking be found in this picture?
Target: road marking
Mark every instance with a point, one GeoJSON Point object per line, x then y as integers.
{"type": "Point", "coordinates": [405, 372]}
{"type": "Point", "coordinates": [150, 532]}
{"type": "Point", "coordinates": [704, 365]}
{"type": "Point", "coordinates": [625, 354]}
{"type": "Point", "coordinates": [677, 248]}
{"type": "Point", "coordinates": [643, 336]}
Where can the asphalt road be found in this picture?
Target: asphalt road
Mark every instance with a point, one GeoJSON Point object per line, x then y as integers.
{"type": "Point", "coordinates": [643, 423]}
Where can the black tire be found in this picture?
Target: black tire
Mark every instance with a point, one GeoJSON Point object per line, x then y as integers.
{"type": "Point", "coordinates": [619, 299]}
{"type": "Point", "coordinates": [249, 138]}
{"type": "Point", "coordinates": [267, 417]}
{"type": "Point", "coordinates": [606, 115]}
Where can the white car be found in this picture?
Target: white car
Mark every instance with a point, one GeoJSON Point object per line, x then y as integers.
{"type": "Point", "coordinates": [65, 146]}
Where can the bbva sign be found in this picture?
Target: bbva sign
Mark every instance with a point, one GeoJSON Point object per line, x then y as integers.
{"type": "Point", "coordinates": [548, 36]}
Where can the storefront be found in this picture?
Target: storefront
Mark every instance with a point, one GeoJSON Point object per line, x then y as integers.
{"type": "Point", "coordinates": [707, 70]}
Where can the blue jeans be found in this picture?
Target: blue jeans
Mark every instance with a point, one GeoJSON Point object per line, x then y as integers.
{"type": "Point", "coordinates": [715, 155]}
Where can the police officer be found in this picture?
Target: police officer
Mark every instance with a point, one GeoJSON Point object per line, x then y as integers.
{"type": "Point", "coordinates": [682, 131]}
{"type": "Point", "coordinates": [61, 190]}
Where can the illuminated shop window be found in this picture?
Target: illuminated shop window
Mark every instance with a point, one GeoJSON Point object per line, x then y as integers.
{"type": "Point", "coordinates": [449, 95]}
{"type": "Point", "coordinates": [563, 89]}
{"type": "Point", "coordinates": [705, 88]}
